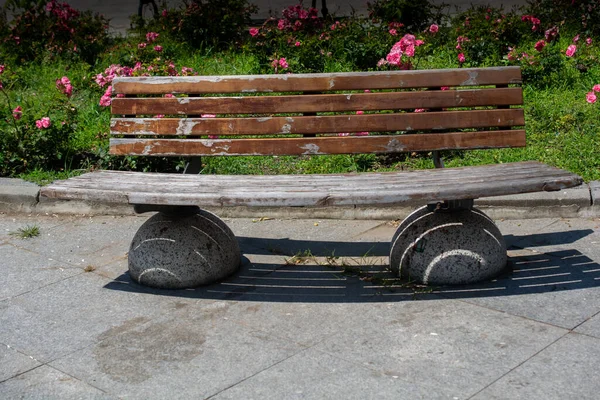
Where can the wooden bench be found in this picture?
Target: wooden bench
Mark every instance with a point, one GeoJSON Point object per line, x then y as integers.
{"type": "Point", "coordinates": [310, 115]}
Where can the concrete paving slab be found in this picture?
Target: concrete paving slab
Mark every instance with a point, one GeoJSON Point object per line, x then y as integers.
{"type": "Point", "coordinates": [14, 362]}
{"type": "Point", "coordinates": [590, 327]}
{"type": "Point", "coordinates": [582, 235]}
{"type": "Point", "coordinates": [451, 347]}
{"type": "Point", "coordinates": [28, 271]}
{"type": "Point", "coordinates": [48, 383]}
{"type": "Point", "coordinates": [86, 241]}
{"type": "Point", "coordinates": [553, 287]}
{"type": "Point", "coordinates": [315, 375]}
{"type": "Point", "coordinates": [74, 313]}
{"type": "Point", "coordinates": [11, 223]}
{"type": "Point", "coordinates": [193, 352]}
{"type": "Point", "coordinates": [568, 369]}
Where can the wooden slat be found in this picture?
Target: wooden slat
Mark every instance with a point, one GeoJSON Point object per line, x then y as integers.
{"type": "Point", "coordinates": [425, 185]}
{"type": "Point", "coordinates": [318, 124]}
{"type": "Point", "coordinates": [319, 145]}
{"type": "Point", "coordinates": [318, 103]}
{"type": "Point", "coordinates": [318, 82]}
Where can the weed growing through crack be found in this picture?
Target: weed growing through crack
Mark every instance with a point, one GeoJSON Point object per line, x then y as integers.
{"type": "Point", "coordinates": [27, 232]}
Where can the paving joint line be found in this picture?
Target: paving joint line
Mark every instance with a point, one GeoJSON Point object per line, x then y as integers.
{"type": "Point", "coordinates": [259, 372]}
{"type": "Point", "coordinates": [45, 286]}
{"type": "Point", "coordinates": [517, 366]}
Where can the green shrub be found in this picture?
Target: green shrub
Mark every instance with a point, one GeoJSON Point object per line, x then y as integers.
{"type": "Point", "coordinates": [202, 23]}
{"type": "Point", "coordinates": [36, 130]}
{"type": "Point", "coordinates": [414, 15]}
{"type": "Point", "coordinates": [43, 30]}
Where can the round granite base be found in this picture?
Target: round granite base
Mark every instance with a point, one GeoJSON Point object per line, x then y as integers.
{"type": "Point", "coordinates": [448, 248]}
{"type": "Point", "coordinates": [177, 251]}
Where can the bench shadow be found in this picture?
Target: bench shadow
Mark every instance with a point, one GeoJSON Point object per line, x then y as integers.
{"type": "Point", "coordinates": [358, 272]}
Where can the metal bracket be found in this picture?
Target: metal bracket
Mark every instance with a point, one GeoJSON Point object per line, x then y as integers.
{"type": "Point", "coordinates": [437, 159]}
{"type": "Point", "coordinates": [166, 209]}
{"type": "Point", "coordinates": [451, 205]}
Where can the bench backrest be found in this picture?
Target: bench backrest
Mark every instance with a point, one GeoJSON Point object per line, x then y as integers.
{"type": "Point", "coordinates": [299, 114]}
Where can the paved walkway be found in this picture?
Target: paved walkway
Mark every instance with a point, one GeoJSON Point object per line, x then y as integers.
{"type": "Point", "coordinates": [73, 325]}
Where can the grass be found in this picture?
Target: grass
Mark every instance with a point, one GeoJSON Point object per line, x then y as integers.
{"type": "Point", "coordinates": [366, 268]}
{"type": "Point", "coordinates": [27, 232]}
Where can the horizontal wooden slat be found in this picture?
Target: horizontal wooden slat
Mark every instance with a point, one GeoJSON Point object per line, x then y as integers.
{"type": "Point", "coordinates": [318, 103]}
{"type": "Point", "coordinates": [345, 189]}
{"type": "Point", "coordinates": [318, 145]}
{"type": "Point", "coordinates": [318, 124]}
{"type": "Point", "coordinates": [318, 82]}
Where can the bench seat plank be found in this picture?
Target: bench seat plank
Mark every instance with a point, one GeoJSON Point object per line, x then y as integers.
{"type": "Point", "coordinates": [313, 190]}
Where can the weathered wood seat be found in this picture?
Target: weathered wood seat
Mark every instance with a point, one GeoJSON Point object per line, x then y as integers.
{"type": "Point", "coordinates": [317, 114]}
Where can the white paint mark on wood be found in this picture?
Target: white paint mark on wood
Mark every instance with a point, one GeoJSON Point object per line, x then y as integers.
{"type": "Point", "coordinates": [395, 146]}
{"type": "Point", "coordinates": [310, 148]}
{"type": "Point", "coordinates": [264, 119]}
{"type": "Point", "coordinates": [183, 100]}
{"type": "Point", "coordinates": [185, 126]}
{"type": "Point", "coordinates": [147, 150]}
{"type": "Point", "coordinates": [331, 83]}
{"type": "Point", "coordinates": [287, 128]}
{"type": "Point", "coordinates": [472, 79]}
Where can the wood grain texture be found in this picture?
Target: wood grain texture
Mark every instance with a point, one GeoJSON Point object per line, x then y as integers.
{"type": "Point", "coordinates": [323, 190]}
{"type": "Point", "coordinates": [319, 145]}
{"type": "Point", "coordinates": [318, 82]}
{"type": "Point", "coordinates": [318, 124]}
{"type": "Point", "coordinates": [435, 99]}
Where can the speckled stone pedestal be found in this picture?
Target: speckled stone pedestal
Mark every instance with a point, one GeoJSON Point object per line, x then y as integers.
{"type": "Point", "coordinates": [448, 248]}
{"type": "Point", "coordinates": [183, 250]}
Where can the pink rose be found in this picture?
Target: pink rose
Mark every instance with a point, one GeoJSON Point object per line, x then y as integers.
{"type": "Point", "coordinates": [158, 48]}
{"type": "Point", "coordinates": [1, 69]}
{"type": "Point", "coordinates": [590, 97]}
{"type": "Point", "coordinates": [461, 58]}
{"type": "Point", "coordinates": [283, 63]}
{"type": "Point", "coordinates": [596, 88]}
{"type": "Point", "coordinates": [419, 110]}
{"type": "Point", "coordinates": [253, 32]}
{"type": "Point", "coordinates": [576, 39]}
{"type": "Point", "coordinates": [297, 44]}
{"type": "Point", "coordinates": [169, 95]}
{"type": "Point", "coordinates": [43, 123]}
{"type": "Point", "coordinates": [393, 32]}
{"type": "Point", "coordinates": [588, 41]}
{"type": "Point", "coordinates": [540, 45]}
{"type": "Point", "coordinates": [151, 36]}
{"type": "Point", "coordinates": [17, 113]}
{"type": "Point", "coordinates": [434, 28]}
{"type": "Point", "coordinates": [142, 45]}
{"type": "Point", "coordinates": [571, 50]}
{"type": "Point", "coordinates": [164, 13]}
{"type": "Point", "coordinates": [281, 24]}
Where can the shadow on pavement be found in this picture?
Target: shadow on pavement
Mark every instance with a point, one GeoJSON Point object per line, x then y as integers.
{"type": "Point", "coordinates": [351, 276]}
